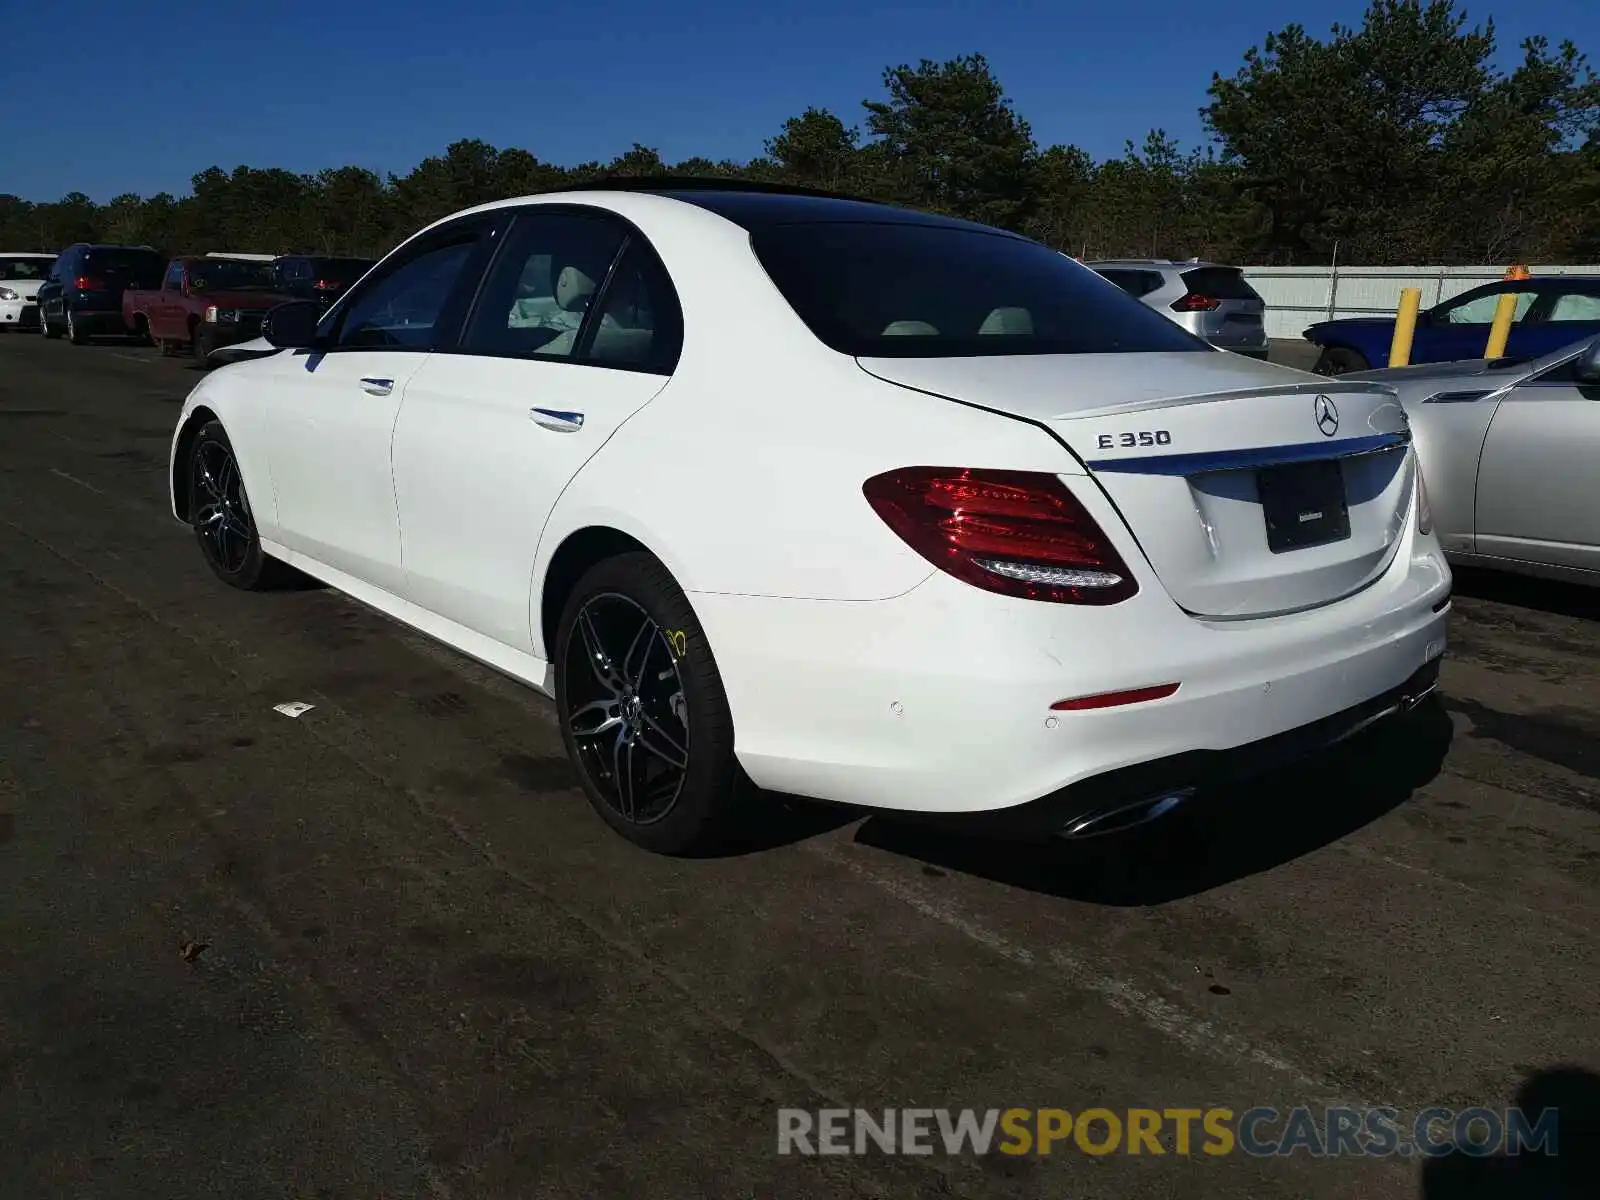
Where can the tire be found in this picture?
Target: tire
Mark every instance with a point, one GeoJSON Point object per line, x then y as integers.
{"type": "Point", "coordinates": [202, 342]}
{"type": "Point", "coordinates": [673, 708]}
{"type": "Point", "coordinates": [228, 541]}
{"type": "Point", "coordinates": [166, 346]}
{"type": "Point", "coordinates": [75, 335]}
{"type": "Point", "coordinates": [1340, 360]}
{"type": "Point", "coordinates": [45, 328]}
{"type": "Point", "coordinates": [141, 331]}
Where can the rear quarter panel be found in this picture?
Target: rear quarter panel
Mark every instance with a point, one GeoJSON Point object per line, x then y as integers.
{"type": "Point", "coordinates": [744, 474]}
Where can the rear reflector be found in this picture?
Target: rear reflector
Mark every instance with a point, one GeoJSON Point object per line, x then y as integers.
{"type": "Point", "coordinates": [1020, 533]}
{"type": "Point", "coordinates": [1194, 302]}
{"type": "Point", "coordinates": [1113, 699]}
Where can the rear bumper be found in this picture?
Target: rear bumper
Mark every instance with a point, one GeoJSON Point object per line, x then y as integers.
{"type": "Point", "coordinates": [1198, 770]}
{"type": "Point", "coordinates": [1256, 347]}
{"type": "Point", "coordinates": [99, 321]}
{"type": "Point", "coordinates": [939, 701]}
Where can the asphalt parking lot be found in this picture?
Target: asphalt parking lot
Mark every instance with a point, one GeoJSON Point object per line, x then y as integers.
{"type": "Point", "coordinates": [385, 948]}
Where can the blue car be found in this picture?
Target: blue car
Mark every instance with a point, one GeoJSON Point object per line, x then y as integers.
{"type": "Point", "coordinates": [1552, 311]}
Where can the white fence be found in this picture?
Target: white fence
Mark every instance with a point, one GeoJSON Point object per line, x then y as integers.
{"type": "Point", "coordinates": [1301, 296]}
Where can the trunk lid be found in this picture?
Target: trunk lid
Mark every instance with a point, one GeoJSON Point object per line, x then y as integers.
{"type": "Point", "coordinates": [1252, 489]}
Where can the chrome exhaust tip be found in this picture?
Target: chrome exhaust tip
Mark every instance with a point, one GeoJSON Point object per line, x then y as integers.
{"type": "Point", "coordinates": [1127, 815]}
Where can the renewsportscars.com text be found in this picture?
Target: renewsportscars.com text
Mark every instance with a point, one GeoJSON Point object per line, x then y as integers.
{"type": "Point", "coordinates": [1258, 1132]}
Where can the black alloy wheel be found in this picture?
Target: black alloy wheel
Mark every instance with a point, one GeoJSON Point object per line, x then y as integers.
{"type": "Point", "coordinates": [626, 708]}
{"type": "Point", "coordinates": [642, 708]}
{"type": "Point", "coordinates": [219, 510]}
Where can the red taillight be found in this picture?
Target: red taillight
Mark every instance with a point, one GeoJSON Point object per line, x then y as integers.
{"type": "Point", "coordinates": [325, 285]}
{"type": "Point", "coordinates": [1194, 302]}
{"type": "Point", "coordinates": [1021, 533]}
{"type": "Point", "coordinates": [88, 283]}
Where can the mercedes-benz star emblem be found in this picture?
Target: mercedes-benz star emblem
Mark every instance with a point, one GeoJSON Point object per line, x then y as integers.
{"type": "Point", "coordinates": [1327, 416]}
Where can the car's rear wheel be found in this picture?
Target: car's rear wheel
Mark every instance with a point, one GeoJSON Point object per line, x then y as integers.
{"type": "Point", "coordinates": [75, 333]}
{"type": "Point", "coordinates": [642, 708]}
{"type": "Point", "coordinates": [219, 510]}
{"type": "Point", "coordinates": [1340, 360]}
{"type": "Point", "coordinates": [45, 326]}
{"type": "Point", "coordinates": [201, 343]}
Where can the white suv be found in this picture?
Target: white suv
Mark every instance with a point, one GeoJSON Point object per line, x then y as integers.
{"type": "Point", "coordinates": [1207, 299]}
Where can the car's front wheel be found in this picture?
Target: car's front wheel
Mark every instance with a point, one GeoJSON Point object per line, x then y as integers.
{"type": "Point", "coordinates": [1340, 360]}
{"type": "Point", "coordinates": [219, 510]}
{"type": "Point", "coordinates": [642, 708]}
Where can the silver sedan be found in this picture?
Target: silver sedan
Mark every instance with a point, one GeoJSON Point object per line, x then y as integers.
{"type": "Point", "coordinates": [1509, 449]}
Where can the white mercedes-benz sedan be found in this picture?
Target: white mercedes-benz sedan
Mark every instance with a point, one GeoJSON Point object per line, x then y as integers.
{"type": "Point", "coordinates": [847, 501]}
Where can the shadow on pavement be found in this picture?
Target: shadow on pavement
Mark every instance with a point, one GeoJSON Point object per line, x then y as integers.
{"type": "Point", "coordinates": [1545, 595]}
{"type": "Point", "coordinates": [1219, 837]}
{"type": "Point", "coordinates": [1572, 1172]}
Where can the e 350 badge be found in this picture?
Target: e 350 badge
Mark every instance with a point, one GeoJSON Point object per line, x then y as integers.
{"type": "Point", "coordinates": [1144, 437]}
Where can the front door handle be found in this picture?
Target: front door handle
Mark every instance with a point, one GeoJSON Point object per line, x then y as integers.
{"type": "Point", "coordinates": [561, 422]}
{"type": "Point", "coordinates": [378, 387]}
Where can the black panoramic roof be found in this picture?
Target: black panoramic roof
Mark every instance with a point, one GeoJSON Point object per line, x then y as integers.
{"type": "Point", "coordinates": [757, 205]}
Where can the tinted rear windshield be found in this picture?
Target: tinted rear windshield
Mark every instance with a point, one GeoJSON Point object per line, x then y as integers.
{"type": "Point", "coordinates": [929, 291]}
{"type": "Point", "coordinates": [1225, 283]}
{"type": "Point", "coordinates": [141, 263]}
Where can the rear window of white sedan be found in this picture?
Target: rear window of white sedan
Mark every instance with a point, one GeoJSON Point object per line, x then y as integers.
{"type": "Point", "coordinates": [893, 290]}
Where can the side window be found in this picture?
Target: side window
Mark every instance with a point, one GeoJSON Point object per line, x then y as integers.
{"type": "Point", "coordinates": [1479, 310]}
{"type": "Point", "coordinates": [1575, 306]}
{"type": "Point", "coordinates": [639, 324]}
{"type": "Point", "coordinates": [174, 280]}
{"type": "Point", "coordinates": [1128, 281]}
{"type": "Point", "coordinates": [535, 299]}
{"type": "Point", "coordinates": [399, 310]}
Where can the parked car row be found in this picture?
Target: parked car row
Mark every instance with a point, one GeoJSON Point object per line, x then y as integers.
{"type": "Point", "coordinates": [192, 303]}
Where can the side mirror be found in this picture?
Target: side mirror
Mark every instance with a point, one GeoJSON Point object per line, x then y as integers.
{"type": "Point", "coordinates": [1586, 367]}
{"type": "Point", "coordinates": [292, 326]}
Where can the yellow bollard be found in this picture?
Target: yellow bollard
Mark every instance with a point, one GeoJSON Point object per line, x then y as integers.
{"type": "Point", "coordinates": [1405, 325]}
{"type": "Point", "coordinates": [1500, 331]}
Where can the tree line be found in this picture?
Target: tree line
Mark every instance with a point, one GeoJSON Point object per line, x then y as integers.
{"type": "Point", "coordinates": [1399, 141]}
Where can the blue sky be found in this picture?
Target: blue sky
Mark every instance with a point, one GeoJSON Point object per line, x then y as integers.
{"type": "Point", "coordinates": [105, 98]}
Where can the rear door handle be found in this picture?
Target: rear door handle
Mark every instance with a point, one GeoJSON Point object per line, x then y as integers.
{"type": "Point", "coordinates": [561, 422]}
{"type": "Point", "coordinates": [378, 387]}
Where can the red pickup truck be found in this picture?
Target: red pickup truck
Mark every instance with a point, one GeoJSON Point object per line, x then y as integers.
{"type": "Point", "coordinates": [203, 303]}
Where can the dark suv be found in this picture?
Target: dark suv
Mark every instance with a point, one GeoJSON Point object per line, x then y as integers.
{"type": "Point", "coordinates": [83, 296]}
{"type": "Point", "coordinates": [309, 277]}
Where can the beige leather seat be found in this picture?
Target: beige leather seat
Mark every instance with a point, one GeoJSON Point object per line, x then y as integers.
{"type": "Point", "coordinates": [574, 289]}
{"type": "Point", "coordinates": [1017, 322]}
